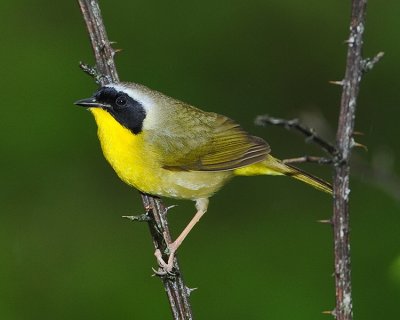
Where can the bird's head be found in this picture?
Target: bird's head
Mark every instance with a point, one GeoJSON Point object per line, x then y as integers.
{"type": "Point", "coordinates": [128, 103]}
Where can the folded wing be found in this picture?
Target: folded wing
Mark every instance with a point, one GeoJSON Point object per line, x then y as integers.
{"type": "Point", "coordinates": [213, 143]}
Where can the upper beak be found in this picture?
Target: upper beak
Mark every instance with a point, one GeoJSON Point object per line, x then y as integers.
{"type": "Point", "coordinates": [90, 103]}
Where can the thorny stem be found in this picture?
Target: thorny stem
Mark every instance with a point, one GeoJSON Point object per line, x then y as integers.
{"type": "Point", "coordinates": [344, 143]}
{"type": "Point", "coordinates": [105, 72]}
{"type": "Point", "coordinates": [341, 152]}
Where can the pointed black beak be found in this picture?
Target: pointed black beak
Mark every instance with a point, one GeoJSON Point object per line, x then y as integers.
{"type": "Point", "coordinates": [90, 103]}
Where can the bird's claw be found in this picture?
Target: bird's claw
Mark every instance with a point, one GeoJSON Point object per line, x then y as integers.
{"type": "Point", "coordinates": [163, 273]}
{"type": "Point", "coordinates": [165, 268]}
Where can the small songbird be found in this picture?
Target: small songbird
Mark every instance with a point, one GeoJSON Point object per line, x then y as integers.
{"type": "Point", "coordinates": [165, 147]}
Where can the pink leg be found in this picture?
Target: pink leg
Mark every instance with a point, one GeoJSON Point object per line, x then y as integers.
{"type": "Point", "coordinates": [201, 206]}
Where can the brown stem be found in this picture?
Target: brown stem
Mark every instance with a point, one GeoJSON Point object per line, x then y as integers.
{"type": "Point", "coordinates": [295, 124]}
{"type": "Point", "coordinates": [308, 159]}
{"type": "Point", "coordinates": [344, 143]}
{"type": "Point", "coordinates": [177, 292]}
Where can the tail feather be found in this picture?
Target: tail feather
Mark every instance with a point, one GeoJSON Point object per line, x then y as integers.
{"type": "Point", "coordinates": [309, 179]}
{"type": "Point", "coordinates": [273, 166]}
{"type": "Point", "coordinates": [299, 174]}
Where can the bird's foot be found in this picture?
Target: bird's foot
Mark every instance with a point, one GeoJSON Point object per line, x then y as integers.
{"type": "Point", "coordinates": [166, 268]}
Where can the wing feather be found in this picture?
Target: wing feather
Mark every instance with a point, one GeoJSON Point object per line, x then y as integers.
{"type": "Point", "coordinates": [212, 143]}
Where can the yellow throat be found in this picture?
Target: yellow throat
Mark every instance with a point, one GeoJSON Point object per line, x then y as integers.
{"type": "Point", "coordinates": [125, 151]}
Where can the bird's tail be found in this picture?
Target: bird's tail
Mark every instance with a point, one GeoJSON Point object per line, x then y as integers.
{"type": "Point", "coordinates": [273, 166]}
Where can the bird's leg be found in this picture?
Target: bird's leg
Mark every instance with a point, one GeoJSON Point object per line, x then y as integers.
{"type": "Point", "coordinates": [201, 206]}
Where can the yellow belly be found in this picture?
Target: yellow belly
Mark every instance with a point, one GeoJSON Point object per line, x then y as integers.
{"type": "Point", "coordinates": [139, 165]}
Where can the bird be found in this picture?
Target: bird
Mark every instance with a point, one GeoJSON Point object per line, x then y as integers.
{"type": "Point", "coordinates": [165, 147]}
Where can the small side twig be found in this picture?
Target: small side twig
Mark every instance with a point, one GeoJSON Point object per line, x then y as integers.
{"type": "Point", "coordinates": [92, 71]}
{"type": "Point", "coordinates": [309, 133]}
{"type": "Point", "coordinates": [369, 63]}
{"type": "Point", "coordinates": [104, 73]}
{"type": "Point", "coordinates": [139, 218]}
{"type": "Point", "coordinates": [379, 172]}
{"type": "Point", "coordinates": [308, 159]}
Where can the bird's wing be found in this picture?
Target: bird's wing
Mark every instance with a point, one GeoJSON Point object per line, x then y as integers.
{"type": "Point", "coordinates": [207, 142]}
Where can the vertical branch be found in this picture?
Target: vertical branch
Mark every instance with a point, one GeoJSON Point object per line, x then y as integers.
{"type": "Point", "coordinates": [177, 292]}
{"type": "Point", "coordinates": [103, 52]}
{"type": "Point", "coordinates": [344, 143]}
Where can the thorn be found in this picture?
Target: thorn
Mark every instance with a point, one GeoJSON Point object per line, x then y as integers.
{"type": "Point", "coordinates": [338, 83]}
{"type": "Point", "coordinates": [139, 218]}
{"type": "Point", "coordinates": [169, 208]}
{"type": "Point", "coordinates": [113, 42]}
{"type": "Point", "coordinates": [330, 312]}
{"type": "Point", "coordinates": [349, 40]}
{"type": "Point", "coordinates": [190, 290]}
{"type": "Point", "coordinates": [358, 145]}
{"type": "Point", "coordinates": [368, 63]}
{"type": "Point", "coordinates": [115, 51]}
{"type": "Point", "coordinates": [328, 221]}
{"type": "Point", "coordinates": [358, 133]}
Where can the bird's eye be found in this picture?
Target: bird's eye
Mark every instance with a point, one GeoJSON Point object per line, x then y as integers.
{"type": "Point", "coordinates": [121, 101]}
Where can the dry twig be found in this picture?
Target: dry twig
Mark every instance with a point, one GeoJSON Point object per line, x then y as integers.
{"type": "Point", "coordinates": [309, 133]}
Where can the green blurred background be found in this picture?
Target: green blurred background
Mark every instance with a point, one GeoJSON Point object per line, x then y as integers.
{"type": "Point", "coordinates": [66, 253]}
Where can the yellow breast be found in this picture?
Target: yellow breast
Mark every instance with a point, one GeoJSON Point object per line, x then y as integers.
{"type": "Point", "coordinates": [134, 163]}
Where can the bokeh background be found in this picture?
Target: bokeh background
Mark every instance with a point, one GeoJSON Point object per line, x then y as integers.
{"type": "Point", "coordinates": [65, 251]}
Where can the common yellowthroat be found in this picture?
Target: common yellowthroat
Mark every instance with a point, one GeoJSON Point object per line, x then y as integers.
{"type": "Point", "coordinates": [165, 147]}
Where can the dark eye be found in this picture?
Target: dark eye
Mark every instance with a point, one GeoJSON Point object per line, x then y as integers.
{"type": "Point", "coordinates": [121, 101]}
